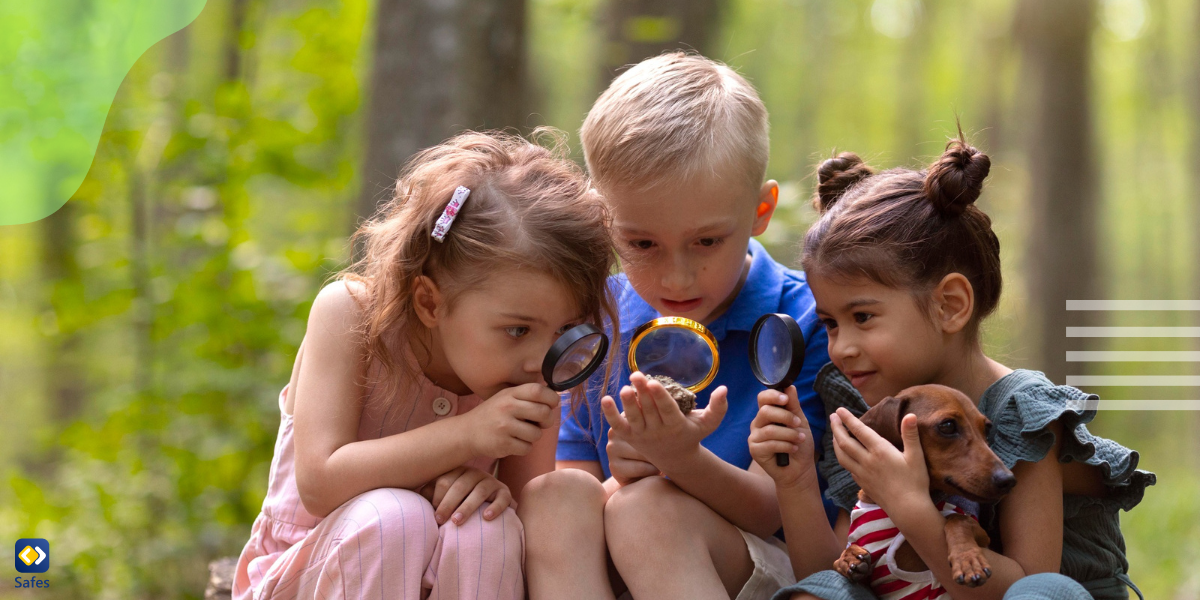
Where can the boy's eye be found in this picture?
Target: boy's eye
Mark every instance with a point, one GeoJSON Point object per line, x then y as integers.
{"type": "Point", "coordinates": [517, 331]}
{"type": "Point", "coordinates": [564, 328]}
{"type": "Point", "coordinates": [709, 242]}
{"type": "Point", "coordinates": [829, 324]}
{"type": "Point", "coordinates": [861, 317]}
{"type": "Point", "coordinates": [641, 244]}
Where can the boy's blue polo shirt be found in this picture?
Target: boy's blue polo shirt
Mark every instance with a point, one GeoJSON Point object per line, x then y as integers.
{"type": "Point", "coordinates": [769, 288]}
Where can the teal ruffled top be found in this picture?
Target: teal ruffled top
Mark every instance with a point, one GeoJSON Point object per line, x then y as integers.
{"type": "Point", "coordinates": [1021, 406]}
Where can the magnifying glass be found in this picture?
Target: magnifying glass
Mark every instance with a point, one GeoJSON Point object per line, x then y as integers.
{"type": "Point", "coordinates": [776, 355]}
{"type": "Point", "coordinates": [574, 357]}
{"type": "Point", "coordinates": [679, 348]}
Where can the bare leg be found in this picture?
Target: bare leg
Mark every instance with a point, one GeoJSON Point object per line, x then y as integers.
{"type": "Point", "coordinates": [565, 556]}
{"type": "Point", "coordinates": [667, 544]}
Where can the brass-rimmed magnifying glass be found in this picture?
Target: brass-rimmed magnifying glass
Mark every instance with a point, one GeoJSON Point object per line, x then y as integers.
{"type": "Point", "coordinates": [675, 347]}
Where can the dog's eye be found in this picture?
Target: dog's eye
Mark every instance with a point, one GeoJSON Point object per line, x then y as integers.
{"type": "Point", "coordinates": [947, 427]}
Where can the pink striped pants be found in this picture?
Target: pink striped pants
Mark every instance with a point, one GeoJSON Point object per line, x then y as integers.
{"type": "Point", "coordinates": [385, 543]}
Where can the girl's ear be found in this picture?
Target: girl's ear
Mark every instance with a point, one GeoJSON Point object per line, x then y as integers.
{"type": "Point", "coordinates": [768, 199]}
{"type": "Point", "coordinates": [427, 298]}
{"type": "Point", "coordinates": [954, 299]}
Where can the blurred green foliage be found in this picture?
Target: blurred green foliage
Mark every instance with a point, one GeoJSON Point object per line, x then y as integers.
{"type": "Point", "coordinates": [149, 325]}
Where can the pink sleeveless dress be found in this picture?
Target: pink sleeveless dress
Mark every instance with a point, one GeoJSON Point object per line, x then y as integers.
{"type": "Point", "coordinates": [383, 543]}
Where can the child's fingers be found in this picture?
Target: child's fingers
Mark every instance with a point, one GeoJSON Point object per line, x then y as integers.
{"type": "Point", "coordinates": [526, 432]}
{"type": "Point", "coordinates": [710, 418]}
{"type": "Point", "coordinates": [793, 402]}
{"type": "Point", "coordinates": [767, 450]}
{"type": "Point", "coordinates": [646, 399]}
{"type": "Point", "coordinates": [771, 398]}
{"type": "Point", "coordinates": [865, 438]}
{"type": "Point", "coordinates": [443, 483]}
{"type": "Point", "coordinates": [616, 421]}
{"type": "Point", "coordinates": [479, 494]}
{"type": "Point", "coordinates": [775, 415]}
{"type": "Point", "coordinates": [774, 432]}
{"type": "Point", "coordinates": [501, 500]}
{"type": "Point", "coordinates": [534, 411]}
{"type": "Point", "coordinates": [633, 410]}
{"type": "Point", "coordinates": [456, 494]}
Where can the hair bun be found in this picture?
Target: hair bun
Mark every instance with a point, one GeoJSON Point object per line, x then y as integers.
{"type": "Point", "coordinates": [835, 176]}
{"type": "Point", "coordinates": [954, 182]}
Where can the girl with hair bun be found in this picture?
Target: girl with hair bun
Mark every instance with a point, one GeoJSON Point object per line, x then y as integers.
{"type": "Point", "coordinates": [904, 267]}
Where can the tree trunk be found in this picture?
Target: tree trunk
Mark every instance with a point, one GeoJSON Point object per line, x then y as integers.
{"type": "Point", "coordinates": [1055, 40]}
{"type": "Point", "coordinates": [638, 29]}
{"type": "Point", "coordinates": [440, 66]}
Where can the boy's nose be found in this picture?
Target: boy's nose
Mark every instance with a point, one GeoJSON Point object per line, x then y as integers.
{"type": "Point", "coordinates": [678, 278]}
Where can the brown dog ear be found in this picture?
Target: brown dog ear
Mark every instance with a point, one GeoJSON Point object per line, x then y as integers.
{"type": "Point", "coordinates": [885, 418]}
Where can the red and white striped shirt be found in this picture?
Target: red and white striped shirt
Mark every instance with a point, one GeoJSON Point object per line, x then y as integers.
{"type": "Point", "coordinates": [874, 531]}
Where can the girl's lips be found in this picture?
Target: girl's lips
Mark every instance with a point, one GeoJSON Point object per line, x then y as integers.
{"type": "Point", "coordinates": [682, 306]}
{"type": "Point", "coordinates": [858, 378]}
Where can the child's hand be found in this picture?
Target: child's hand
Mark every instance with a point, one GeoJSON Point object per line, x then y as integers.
{"type": "Point", "coordinates": [653, 424]}
{"type": "Point", "coordinates": [512, 420]}
{"type": "Point", "coordinates": [459, 493]}
{"type": "Point", "coordinates": [780, 427]}
{"type": "Point", "coordinates": [889, 476]}
{"type": "Point", "coordinates": [626, 464]}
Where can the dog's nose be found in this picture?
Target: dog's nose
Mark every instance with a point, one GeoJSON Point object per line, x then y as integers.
{"type": "Point", "coordinates": [1003, 480]}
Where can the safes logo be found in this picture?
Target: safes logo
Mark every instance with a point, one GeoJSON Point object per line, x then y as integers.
{"type": "Point", "coordinates": [32, 555]}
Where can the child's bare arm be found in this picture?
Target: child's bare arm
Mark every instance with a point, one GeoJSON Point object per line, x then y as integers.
{"type": "Point", "coordinates": [332, 466]}
{"type": "Point", "coordinates": [780, 427]}
{"type": "Point", "coordinates": [517, 470]}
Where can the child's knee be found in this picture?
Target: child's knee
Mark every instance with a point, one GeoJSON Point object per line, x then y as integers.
{"type": "Point", "coordinates": [566, 491]}
{"type": "Point", "coordinates": [390, 514]}
{"type": "Point", "coordinates": [648, 505]}
{"type": "Point", "coordinates": [503, 534]}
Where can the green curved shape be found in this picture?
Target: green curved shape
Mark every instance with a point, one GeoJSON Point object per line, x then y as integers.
{"type": "Point", "coordinates": [61, 62]}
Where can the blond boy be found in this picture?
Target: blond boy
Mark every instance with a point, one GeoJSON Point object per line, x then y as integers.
{"type": "Point", "coordinates": [646, 498]}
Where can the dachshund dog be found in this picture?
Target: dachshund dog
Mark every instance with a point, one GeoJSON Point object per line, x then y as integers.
{"type": "Point", "coordinates": [953, 437]}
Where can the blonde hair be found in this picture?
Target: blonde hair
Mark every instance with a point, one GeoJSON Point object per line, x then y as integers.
{"type": "Point", "coordinates": [676, 114]}
{"type": "Point", "coordinates": [529, 207]}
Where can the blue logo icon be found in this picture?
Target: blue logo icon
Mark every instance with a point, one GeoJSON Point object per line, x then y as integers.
{"type": "Point", "coordinates": [32, 555]}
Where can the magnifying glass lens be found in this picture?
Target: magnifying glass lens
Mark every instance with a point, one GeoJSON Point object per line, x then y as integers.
{"type": "Point", "coordinates": [773, 351]}
{"type": "Point", "coordinates": [574, 357]}
{"type": "Point", "coordinates": [577, 357]}
{"type": "Point", "coordinates": [676, 352]}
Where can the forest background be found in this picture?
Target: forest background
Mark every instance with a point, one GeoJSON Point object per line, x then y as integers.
{"type": "Point", "coordinates": [148, 325]}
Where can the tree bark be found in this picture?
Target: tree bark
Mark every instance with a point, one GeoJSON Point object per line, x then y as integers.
{"type": "Point", "coordinates": [440, 66]}
{"type": "Point", "coordinates": [1055, 40]}
{"type": "Point", "coordinates": [638, 29]}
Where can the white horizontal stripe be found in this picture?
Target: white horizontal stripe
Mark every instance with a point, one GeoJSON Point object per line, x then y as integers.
{"type": "Point", "coordinates": [1132, 356]}
{"type": "Point", "coordinates": [1133, 304]}
{"type": "Point", "coordinates": [1134, 380]}
{"type": "Point", "coordinates": [1169, 332]}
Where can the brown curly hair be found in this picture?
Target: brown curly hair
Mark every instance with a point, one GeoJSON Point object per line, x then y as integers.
{"type": "Point", "coordinates": [529, 207]}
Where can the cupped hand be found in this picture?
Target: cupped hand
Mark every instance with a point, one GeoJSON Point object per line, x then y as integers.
{"type": "Point", "coordinates": [626, 464]}
{"type": "Point", "coordinates": [653, 424]}
{"type": "Point", "coordinates": [888, 475]}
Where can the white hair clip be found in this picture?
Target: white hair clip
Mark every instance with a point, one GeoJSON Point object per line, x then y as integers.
{"type": "Point", "coordinates": [443, 223]}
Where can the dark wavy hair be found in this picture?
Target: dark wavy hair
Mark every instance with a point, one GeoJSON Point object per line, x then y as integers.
{"type": "Point", "coordinates": [907, 229]}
